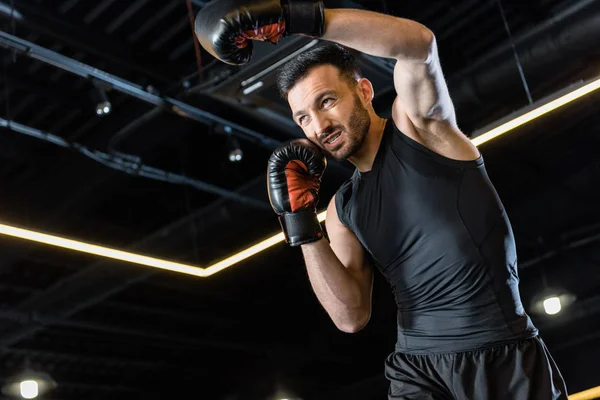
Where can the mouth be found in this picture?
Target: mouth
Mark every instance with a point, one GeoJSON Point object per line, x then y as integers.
{"type": "Point", "coordinates": [332, 139]}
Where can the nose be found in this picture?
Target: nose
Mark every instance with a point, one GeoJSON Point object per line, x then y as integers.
{"type": "Point", "coordinates": [321, 125]}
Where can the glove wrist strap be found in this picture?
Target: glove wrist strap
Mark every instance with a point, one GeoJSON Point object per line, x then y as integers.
{"type": "Point", "coordinates": [305, 17]}
{"type": "Point", "coordinates": [301, 227]}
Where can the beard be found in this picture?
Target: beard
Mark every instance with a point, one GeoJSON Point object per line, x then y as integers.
{"type": "Point", "coordinates": [353, 135]}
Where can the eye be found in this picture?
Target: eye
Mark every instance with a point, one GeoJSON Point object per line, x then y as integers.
{"type": "Point", "coordinates": [301, 120]}
{"type": "Point", "coordinates": [327, 101]}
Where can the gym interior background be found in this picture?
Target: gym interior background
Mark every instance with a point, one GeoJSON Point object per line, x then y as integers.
{"type": "Point", "coordinates": [116, 130]}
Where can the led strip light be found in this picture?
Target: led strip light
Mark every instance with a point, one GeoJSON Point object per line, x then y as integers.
{"type": "Point", "coordinates": [590, 394]}
{"type": "Point", "coordinates": [546, 106]}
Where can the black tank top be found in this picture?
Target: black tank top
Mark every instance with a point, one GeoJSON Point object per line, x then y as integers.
{"type": "Point", "coordinates": [438, 232]}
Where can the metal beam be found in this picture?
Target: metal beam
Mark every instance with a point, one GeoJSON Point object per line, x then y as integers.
{"type": "Point", "coordinates": [52, 185]}
{"type": "Point", "coordinates": [131, 165]}
{"type": "Point", "coordinates": [86, 71]}
{"type": "Point", "coordinates": [46, 21]}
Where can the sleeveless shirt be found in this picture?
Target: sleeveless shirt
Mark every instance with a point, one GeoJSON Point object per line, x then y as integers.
{"type": "Point", "coordinates": [436, 229]}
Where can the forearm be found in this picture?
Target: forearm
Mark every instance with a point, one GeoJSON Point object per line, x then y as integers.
{"type": "Point", "coordinates": [378, 34]}
{"type": "Point", "coordinates": [342, 292]}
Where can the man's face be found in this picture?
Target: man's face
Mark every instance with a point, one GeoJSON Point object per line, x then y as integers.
{"type": "Point", "coordinates": [330, 112]}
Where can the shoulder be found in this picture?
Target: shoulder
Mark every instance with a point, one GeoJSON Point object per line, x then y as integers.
{"type": "Point", "coordinates": [344, 194]}
{"type": "Point", "coordinates": [337, 208]}
{"type": "Point", "coordinates": [345, 189]}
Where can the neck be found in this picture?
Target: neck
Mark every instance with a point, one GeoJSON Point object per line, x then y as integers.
{"type": "Point", "coordinates": [365, 156]}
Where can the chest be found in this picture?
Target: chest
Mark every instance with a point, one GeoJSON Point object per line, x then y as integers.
{"type": "Point", "coordinates": [404, 208]}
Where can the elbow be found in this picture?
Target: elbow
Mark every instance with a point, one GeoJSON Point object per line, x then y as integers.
{"type": "Point", "coordinates": [429, 44]}
{"type": "Point", "coordinates": [418, 47]}
{"type": "Point", "coordinates": [354, 324]}
{"type": "Point", "coordinates": [351, 328]}
{"type": "Point", "coordinates": [423, 44]}
{"type": "Point", "coordinates": [427, 35]}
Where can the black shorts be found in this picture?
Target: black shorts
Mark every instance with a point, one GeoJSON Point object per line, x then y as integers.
{"type": "Point", "coordinates": [522, 370]}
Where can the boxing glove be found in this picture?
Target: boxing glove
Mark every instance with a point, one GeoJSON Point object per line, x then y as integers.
{"type": "Point", "coordinates": [225, 27]}
{"type": "Point", "coordinates": [293, 180]}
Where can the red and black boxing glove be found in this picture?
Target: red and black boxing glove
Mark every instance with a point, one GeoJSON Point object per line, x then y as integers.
{"type": "Point", "coordinates": [225, 28]}
{"type": "Point", "coordinates": [293, 180]}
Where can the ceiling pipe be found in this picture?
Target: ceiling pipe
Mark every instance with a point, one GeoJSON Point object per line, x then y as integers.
{"type": "Point", "coordinates": [132, 165]}
{"type": "Point", "coordinates": [544, 53]}
{"type": "Point", "coordinates": [86, 71]}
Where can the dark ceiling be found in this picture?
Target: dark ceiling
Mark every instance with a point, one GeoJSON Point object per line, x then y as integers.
{"type": "Point", "coordinates": [111, 330]}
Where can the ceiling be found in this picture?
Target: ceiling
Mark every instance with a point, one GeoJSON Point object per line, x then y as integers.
{"type": "Point", "coordinates": [153, 177]}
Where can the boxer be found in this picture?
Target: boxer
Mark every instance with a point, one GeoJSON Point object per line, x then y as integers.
{"type": "Point", "coordinates": [419, 206]}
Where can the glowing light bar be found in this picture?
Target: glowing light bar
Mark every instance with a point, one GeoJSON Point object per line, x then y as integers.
{"type": "Point", "coordinates": [275, 239]}
{"type": "Point", "coordinates": [242, 255]}
{"type": "Point", "coordinates": [537, 112]}
{"type": "Point", "coordinates": [141, 259]}
{"type": "Point", "coordinates": [252, 250]}
{"type": "Point", "coordinates": [99, 250]}
{"type": "Point", "coordinates": [590, 394]}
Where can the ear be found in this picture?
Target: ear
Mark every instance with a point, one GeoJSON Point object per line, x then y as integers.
{"type": "Point", "coordinates": [365, 89]}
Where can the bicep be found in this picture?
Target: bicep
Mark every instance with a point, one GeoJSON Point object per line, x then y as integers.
{"type": "Point", "coordinates": [347, 247]}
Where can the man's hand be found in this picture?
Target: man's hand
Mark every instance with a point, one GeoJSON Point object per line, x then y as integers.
{"type": "Point", "coordinates": [294, 177]}
{"type": "Point", "coordinates": [225, 28]}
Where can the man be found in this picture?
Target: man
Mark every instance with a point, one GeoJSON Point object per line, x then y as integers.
{"type": "Point", "coordinates": [419, 206]}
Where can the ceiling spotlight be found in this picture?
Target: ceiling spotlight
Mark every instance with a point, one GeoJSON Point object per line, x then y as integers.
{"type": "Point", "coordinates": [100, 100]}
{"type": "Point", "coordinates": [28, 384]}
{"type": "Point", "coordinates": [283, 393]}
{"type": "Point", "coordinates": [235, 155]}
{"type": "Point", "coordinates": [235, 152]}
{"type": "Point", "coordinates": [29, 389]}
{"type": "Point", "coordinates": [552, 301]}
{"type": "Point", "coordinates": [103, 108]}
{"type": "Point", "coordinates": [552, 305]}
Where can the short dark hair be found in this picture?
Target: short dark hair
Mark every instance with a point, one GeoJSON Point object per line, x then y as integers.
{"type": "Point", "coordinates": [329, 54]}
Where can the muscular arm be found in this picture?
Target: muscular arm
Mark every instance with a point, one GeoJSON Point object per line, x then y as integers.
{"type": "Point", "coordinates": [423, 108]}
{"type": "Point", "coordinates": [378, 34]}
{"type": "Point", "coordinates": [340, 275]}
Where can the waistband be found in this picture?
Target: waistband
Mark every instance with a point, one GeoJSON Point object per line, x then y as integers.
{"type": "Point", "coordinates": [438, 345]}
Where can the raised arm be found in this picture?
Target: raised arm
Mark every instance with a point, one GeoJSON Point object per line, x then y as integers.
{"type": "Point", "coordinates": [423, 108]}
{"type": "Point", "coordinates": [340, 275]}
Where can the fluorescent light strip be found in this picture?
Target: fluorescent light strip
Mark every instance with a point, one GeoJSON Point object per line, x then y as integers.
{"type": "Point", "coordinates": [590, 394]}
{"type": "Point", "coordinates": [100, 250]}
{"type": "Point", "coordinates": [242, 255]}
{"type": "Point", "coordinates": [275, 239]}
{"type": "Point", "coordinates": [250, 251]}
{"type": "Point", "coordinates": [537, 112]}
